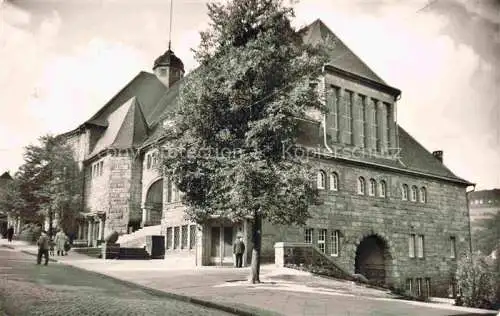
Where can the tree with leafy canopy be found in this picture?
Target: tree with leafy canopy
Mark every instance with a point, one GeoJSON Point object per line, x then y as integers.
{"type": "Point", "coordinates": [49, 182]}
{"type": "Point", "coordinates": [238, 112]}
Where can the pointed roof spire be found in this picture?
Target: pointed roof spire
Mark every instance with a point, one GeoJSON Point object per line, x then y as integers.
{"type": "Point", "coordinates": [170, 26]}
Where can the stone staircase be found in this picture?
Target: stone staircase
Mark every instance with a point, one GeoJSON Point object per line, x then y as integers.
{"type": "Point", "coordinates": [307, 257]}
{"type": "Point", "coordinates": [137, 239]}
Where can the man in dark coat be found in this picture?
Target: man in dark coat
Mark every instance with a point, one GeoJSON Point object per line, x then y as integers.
{"type": "Point", "coordinates": [43, 248]}
{"type": "Point", "coordinates": [10, 233]}
{"type": "Point", "coordinates": [238, 250]}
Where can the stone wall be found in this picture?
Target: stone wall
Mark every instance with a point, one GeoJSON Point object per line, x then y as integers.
{"type": "Point", "coordinates": [97, 187]}
{"type": "Point", "coordinates": [392, 219]}
{"type": "Point", "coordinates": [124, 191]}
{"type": "Point", "coordinates": [79, 142]}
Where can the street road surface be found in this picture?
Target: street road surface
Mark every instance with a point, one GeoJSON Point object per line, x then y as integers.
{"type": "Point", "coordinates": [57, 289]}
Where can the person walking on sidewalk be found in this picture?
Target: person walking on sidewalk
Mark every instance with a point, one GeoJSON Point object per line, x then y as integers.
{"type": "Point", "coordinates": [238, 250]}
{"type": "Point", "coordinates": [10, 233]}
{"type": "Point", "coordinates": [61, 239]}
{"type": "Point", "coordinates": [43, 248]}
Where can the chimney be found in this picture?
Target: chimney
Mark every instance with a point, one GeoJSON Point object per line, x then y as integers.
{"type": "Point", "coordinates": [438, 154]}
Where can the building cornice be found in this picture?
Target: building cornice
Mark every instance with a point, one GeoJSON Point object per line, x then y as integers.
{"type": "Point", "coordinates": [396, 93]}
{"type": "Point", "coordinates": [389, 168]}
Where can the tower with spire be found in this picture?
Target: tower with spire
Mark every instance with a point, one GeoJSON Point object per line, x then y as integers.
{"type": "Point", "coordinates": [168, 68]}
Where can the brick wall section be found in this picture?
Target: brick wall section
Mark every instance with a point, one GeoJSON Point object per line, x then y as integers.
{"type": "Point", "coordinates": [79, 142]}
{"type": "Point", "coordinates": [444, 215]}
{"type": "Point", "coordinates": [124, 196]}
{"type": "Point", "coordinates": [97, 187]}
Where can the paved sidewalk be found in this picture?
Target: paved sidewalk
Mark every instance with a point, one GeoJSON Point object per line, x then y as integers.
{"type": "Point", "coordinates": [283, 291]}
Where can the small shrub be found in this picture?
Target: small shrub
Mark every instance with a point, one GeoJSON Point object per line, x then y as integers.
{"type": "Point", "coordinates": [476, 282]}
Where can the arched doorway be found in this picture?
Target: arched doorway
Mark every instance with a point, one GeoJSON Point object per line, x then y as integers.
{"type": "Point", "coordinates": [373, 259]}
{"type": "Point", "coordinates": [154, 203]}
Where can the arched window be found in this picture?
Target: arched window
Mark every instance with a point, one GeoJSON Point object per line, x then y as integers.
{"type": "Point", "coordinates": [321, 180]}
{"type": "Point", "coordinates": [361, 185]}
{"type": "Point", "coordinates": [382, 189]}
{"type": "Point", "coordinates": [334, 182]}
{"type": "Point", "coordinates": [373, 187]}
{"type": "Point", "coordinates": [423, 195]}
{"type": "Point", "coordinates": [413, 193]}
{"type": "Point", "coordinates": [404, 192]}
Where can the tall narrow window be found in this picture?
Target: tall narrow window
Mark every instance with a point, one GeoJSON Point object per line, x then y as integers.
{"type": "Point", "coordinates": [411, 246]}
{"type": "Point", "coordinates": [418, 287]}
{"type": "Point", "coordinates": [176, 237]}
{"type": "Point", "coordinates": [334, 181]}
{"type": "Point", "coordinates": [348, 117]}
{"type": "Point", "coordinates": [423, 195]}
{"type": "Point", "coordinates": [192, 236]}
{"type": "Point", "coordinates": [382, 189]}
{"type": "Point", "coordinates": [420, 246]}
{"type": "Point", "coordinates": [413, 193]}
{"type": "Point", "coordinates": [101, 166]}
{"type": "Point", "coordinates": [362, 120]}
{"type": "Point", "coordinates": [453, 247]}
{"type": "Point", "coordinates": [404, 192]}
{"type": "Point", "coordinates": [184, 236]}
{"type": "Point", "coordinates": [373, 187]}
{"type": "Point", "coordinates": [428, 287]}
{"type": "Point", "coordinates": [374, 120]}
{"type": "Point", "coordinates": [148, 161]}
{"type": "Point", "coordinates": [169, 191]}
{"type": "Point", "coordinates": [308, 236]}
{"type": "Point", "coordinates": [409, 286]}
{"type": "Point", "coordinates": [321, 181]}
{"type": "Point", "coordinates": [169, 238]}
{"type": "Point", "coordinates": [332, 100]}
{"type": "Point", "coordinates": [361, 185]}
{"type": "Point", "coordinates": [322, 240]}
{"type": "Point", "coordinates": [335, 243]}
{"type": "Point", "coordinates": [388, 124]}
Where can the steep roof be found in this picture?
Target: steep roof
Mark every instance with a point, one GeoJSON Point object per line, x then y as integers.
{"type": "Point", "coordinates": [127, 128]}
{"type": "Point", "coordinates": [145, 87]}
{"type": "Point", "coordinates": [342, 56]}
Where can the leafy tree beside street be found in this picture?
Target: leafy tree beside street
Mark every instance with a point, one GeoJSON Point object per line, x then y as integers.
{"type": "Point", "coordinates": [47, 184]}
{"type": "Point", "coordinates": [237, 112]}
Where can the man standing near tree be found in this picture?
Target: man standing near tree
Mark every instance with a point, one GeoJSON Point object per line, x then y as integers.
{"type": "Point", "coordinates": [238, 250]}
{"type": "Point", "coordinates": [43, 248]}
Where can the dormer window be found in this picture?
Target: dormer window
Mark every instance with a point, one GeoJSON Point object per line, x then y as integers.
{"type": "Point", "coordinates": [163, 72]}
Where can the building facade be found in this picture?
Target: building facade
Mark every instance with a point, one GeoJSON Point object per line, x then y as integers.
{"type": "Point", "coordinates": [391, 211]}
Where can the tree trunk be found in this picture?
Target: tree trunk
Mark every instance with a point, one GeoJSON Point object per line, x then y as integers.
{"type": "Point", "coordinates": [256, 239]}
{"type": "Point", "coordinates": [50, 223]}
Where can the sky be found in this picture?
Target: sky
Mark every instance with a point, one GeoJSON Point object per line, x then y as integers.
{"type": "Point", "coordinates": [60, 61]}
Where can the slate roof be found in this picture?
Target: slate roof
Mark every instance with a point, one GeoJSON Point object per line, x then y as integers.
{"type": "Point", "coordinates": [133, 117]}
{"type": "Point", "coordinates": [341, 56]}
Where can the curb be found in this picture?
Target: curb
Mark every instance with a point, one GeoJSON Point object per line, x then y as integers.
{"type": "Point", "coordinates": [159, 293]}
{"type": "Point", "coordinates": [179, 297]}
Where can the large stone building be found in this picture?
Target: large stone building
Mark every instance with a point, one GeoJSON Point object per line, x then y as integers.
{"type": "Point", "coordinates": [390, 214]}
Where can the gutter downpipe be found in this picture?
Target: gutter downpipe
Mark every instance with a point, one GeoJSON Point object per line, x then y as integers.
{"type": "Point", "coordinates": [323, 82]}
{"type": "Point", "coordinates": [468, 215]}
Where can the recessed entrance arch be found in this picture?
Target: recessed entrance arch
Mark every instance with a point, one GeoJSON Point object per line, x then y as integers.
{"type": "Point", "coordinates": [373, 259]}
{"type": "Point", "coordinates": [154, 203]}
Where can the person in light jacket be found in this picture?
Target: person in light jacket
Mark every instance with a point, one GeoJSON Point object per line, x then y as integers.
{"type": "Point", "coordinates": [60, 241]}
